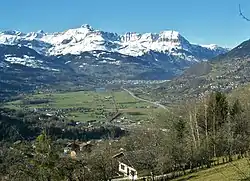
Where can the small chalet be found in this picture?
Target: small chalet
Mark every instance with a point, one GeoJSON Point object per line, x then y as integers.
{"type": "Point", "coordinates": [86, 147]}
{"type": "Point", "coordinates": [125, 166]}
{"type": "Point", "coordinates": [134, 164]}
{"type": "Point", "coordinates": [76, 147]}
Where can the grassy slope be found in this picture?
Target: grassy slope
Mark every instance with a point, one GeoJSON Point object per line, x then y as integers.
{"type": "Point", "coordinates": [236, 170]}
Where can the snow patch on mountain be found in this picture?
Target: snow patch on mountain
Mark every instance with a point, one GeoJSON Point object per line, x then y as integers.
{"type": "Point", "coordinates": [3, 65]}
{"type": "Point", "coordinates": [26, 60]}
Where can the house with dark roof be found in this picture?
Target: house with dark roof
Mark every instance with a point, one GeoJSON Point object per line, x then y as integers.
{"type": "Point", "coordinates": [133, 164]}
{"type": "Point", "coordinates": [76, 147]}
{"type": "Point", "coordinates": [125, 166]}
{"type": "Point", "coordinates": [86, 147]}
{"type": "Point", "coordinates": [128, 170]}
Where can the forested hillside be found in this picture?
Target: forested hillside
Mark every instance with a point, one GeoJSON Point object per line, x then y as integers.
{"type": "Point", "coordinates": [223, 73]}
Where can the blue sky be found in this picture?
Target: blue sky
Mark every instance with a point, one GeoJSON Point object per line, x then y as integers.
{"type": "Point", "coordinates": [200, 21]}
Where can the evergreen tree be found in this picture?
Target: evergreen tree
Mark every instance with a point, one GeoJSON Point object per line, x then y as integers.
{"type": "Point", "coordinates": [221, 109]}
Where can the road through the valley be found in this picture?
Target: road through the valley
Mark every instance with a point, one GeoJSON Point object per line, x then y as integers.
{"type": "Point", "coordinates": [144, 100]}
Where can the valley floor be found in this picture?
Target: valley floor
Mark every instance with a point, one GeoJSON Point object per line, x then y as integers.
{"type": "Point", "coordinates": [84, 106]}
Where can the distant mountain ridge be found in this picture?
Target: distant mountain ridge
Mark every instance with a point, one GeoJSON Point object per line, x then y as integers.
{"type": "Point", "coordinates": [148, 56]}
{"type": "Point", "coordinates": [85, 38]}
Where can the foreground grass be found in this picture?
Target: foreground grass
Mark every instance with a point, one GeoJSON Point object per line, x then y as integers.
{"type": "Point", "coordinates": [236, 170]}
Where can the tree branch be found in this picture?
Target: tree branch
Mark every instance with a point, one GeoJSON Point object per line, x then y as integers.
{"type": "Point", "coordinates": [242, 15]}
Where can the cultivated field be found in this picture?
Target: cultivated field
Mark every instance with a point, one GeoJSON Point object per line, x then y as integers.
{"type": "Point", "coordinates": [86, 105]}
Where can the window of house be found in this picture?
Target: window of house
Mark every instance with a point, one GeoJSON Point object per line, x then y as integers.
{"type": "Point", "coordinates": [132, 173]}
{"type": "Point", "coordinates": [122, 167]}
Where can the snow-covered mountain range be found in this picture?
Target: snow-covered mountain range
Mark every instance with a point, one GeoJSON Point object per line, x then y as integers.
{"type": "Point", "coordinates": [131, 55]}
{"type": "Point", "coordinates": [78, 40]}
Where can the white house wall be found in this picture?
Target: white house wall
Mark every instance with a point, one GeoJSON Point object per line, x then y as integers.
{"type": "Point", "coordinates": [124, 171]}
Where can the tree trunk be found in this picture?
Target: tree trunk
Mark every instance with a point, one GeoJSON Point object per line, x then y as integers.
{"type": "Point", "coordinates": [214, 133]}
{"type": "Point", "coordinates": [230, 137]}
{"type": "Point", "coordinates": [197, 128]}
{"type": "Point", "coordinates": [206, 126]}
{"type": "Point", "coordinates": [192, 129]}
